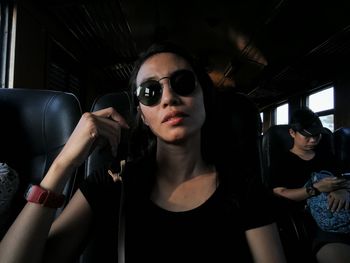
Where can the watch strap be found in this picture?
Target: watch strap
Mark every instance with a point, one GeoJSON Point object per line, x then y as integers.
{"type": "Point", "coordinates": [37, 194]}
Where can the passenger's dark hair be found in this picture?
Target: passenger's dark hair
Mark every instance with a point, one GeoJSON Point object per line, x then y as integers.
{"type": "Point", "coordinates": [304, 118]}
{"type": "Point", "coordinates": [142, 139]}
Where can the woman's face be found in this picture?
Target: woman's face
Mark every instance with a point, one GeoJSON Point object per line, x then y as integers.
{"type": "Point", "coordinates": [173, 118]}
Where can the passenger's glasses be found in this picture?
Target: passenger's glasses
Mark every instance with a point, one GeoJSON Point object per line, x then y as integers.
{"type": "Point", "coordinates": [182, 82]}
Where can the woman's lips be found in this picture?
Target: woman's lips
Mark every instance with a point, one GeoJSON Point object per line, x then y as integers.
{"type": "Point", "coordinates": [174, 117]}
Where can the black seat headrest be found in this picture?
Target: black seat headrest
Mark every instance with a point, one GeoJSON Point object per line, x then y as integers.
{"type": "Point", "coordinates": [35, 126]}
{"type": "Point", "coordinates": [238, 133]}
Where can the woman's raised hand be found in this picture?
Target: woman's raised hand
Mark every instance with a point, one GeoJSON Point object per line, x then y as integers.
{"type": "Point", "coordinates": [93, 129]}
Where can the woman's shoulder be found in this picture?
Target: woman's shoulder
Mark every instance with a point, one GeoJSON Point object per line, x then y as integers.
{"type": "Point", "coordinates": [252, 200]}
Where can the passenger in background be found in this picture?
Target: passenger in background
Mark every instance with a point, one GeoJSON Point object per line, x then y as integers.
{"type": "Point", "coordinates": [289, 180]}
{"type": "Point", "coordinates": [180, 205]}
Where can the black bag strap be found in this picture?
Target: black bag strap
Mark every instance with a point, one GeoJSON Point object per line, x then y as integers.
{"type": "Point", "coordinates": [121, 227]}
{"type": "Point", "coordinates": [121, 213]}
{"type": "Point", "coordinates": [117, 178]}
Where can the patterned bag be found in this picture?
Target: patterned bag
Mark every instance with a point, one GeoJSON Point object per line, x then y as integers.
{"type": "Point", "coordinates": [326, 219]}
{"type": "Point", "coordinates": [9, 182]}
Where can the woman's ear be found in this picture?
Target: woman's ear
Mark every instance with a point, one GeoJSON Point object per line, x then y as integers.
{"type": "Point", "coordinates": [142, 116]}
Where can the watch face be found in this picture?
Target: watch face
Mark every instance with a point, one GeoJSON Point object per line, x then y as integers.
{"type": "Point", "coordinates": [310, 191]}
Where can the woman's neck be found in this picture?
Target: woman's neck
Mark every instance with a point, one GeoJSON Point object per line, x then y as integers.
{"type": "Point", "coordinates": [183, 180]}
{"type": "Point", "coordinates": [179, 162]}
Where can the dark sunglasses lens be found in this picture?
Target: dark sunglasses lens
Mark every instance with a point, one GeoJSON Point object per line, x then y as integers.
{"type": "Point", "coordinates": [183, 82]}
{"type": "Point", "coordinates": [149, 92]}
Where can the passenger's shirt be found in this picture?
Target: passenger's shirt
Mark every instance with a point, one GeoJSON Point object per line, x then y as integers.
{"type": "Point", "coordinates": [291, 171]}
{"type": "Point", "coordinates": [212, 232]}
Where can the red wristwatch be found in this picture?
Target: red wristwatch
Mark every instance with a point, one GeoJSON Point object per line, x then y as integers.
{"type": "Point", "coordinates": [39, 195]}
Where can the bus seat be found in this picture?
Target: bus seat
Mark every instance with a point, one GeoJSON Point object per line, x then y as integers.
{"type": "Point", "coordinates": [35, 126]}
{"type": "Point", "coordinates": [239, 131]}
{"type": "Point", "coordinates": [342, 147]}
{"type": "Point", "coordinates": [274, 141]}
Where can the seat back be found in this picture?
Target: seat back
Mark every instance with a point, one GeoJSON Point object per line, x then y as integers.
{"type": "Point", "coordinates": [275, 141]}
{"type": "Point", "coordinates": [342, 148]}
{"type": "Point", "coordinates": [35, 126]}
{"type": "Point", "coordinates": [239, 133]}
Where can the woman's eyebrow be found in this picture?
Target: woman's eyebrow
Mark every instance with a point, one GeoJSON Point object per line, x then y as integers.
{"type": "Point", "coordinates": [152, 77]}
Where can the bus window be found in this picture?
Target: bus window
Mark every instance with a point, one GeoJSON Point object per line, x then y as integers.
{"type": "Point", "coordinates": [282, 114]}
{"type": "Point", "coordinates": [322, 102]}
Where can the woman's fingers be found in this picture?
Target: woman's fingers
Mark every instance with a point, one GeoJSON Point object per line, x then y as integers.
{"type": "Point", "coordinates": [109, 124]}
{"type": "Point", "coordinates": [110, 131]}
{"type": "Point", "coordinates": [112, 114]}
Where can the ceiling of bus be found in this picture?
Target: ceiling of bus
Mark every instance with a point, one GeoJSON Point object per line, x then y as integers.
{"type": "Point", "coordinates": [262, 48]}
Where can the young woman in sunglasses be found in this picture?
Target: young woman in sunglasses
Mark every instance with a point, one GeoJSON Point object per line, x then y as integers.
{"type": "Point", "coordinates": [179, 203]}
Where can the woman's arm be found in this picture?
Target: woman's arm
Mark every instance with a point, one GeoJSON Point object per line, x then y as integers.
{"type": "Point", "coordinates": [32, 239]}
{"type": "Point", "coordinates": [265, 244]}
{"type": "Point", "coordinates": [69, 232]}
{"type": "Point", "coordinates": [27, 239]}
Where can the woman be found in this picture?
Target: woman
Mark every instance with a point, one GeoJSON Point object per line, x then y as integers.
{"type": "Point", "coordinates": [179, 205]}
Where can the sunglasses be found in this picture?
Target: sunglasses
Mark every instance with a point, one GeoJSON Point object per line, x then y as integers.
{"type": "Point", "coordinates": [182, 82]}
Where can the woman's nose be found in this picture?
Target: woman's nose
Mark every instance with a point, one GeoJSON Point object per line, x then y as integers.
{"type": "Point", "coordinates": [169, 96]}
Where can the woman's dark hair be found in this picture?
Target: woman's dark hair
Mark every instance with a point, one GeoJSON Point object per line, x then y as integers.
{"type": "Point", "coordinates": [142, 139]}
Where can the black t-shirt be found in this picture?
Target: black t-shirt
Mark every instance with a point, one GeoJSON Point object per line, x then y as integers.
{"type": "Point", "coordinates": [291, 171]}
{"type": "Point", "coordinates": [212, 232]}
